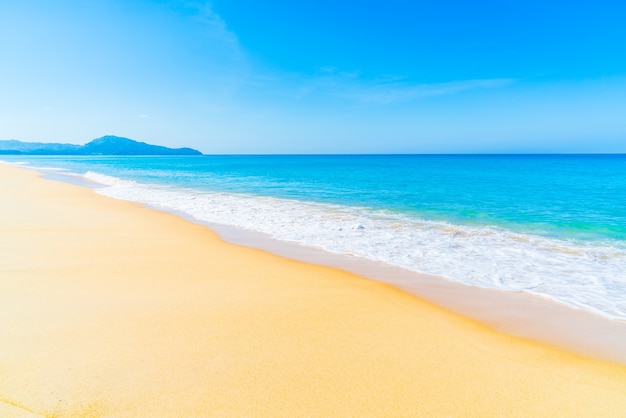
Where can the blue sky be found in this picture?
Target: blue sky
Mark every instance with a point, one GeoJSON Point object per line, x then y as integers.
{"type": "Point", "coordinates": [231, 76]}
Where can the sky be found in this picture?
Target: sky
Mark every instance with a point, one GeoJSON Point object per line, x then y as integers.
{"type": "Point", "coordinates": [259, 77]}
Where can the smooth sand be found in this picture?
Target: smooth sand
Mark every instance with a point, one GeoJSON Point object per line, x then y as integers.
{"type": "Point", "coordinates": [111, 309]}
{"type": "Point", "coordinates": [520, 314]}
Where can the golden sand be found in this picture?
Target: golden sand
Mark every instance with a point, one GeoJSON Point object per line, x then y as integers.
{"type": "Point", "coordinates": [111, 309]}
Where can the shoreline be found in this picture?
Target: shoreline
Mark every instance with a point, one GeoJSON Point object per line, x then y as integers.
{"type": "Point", "coordinates": [585, 290]}
{"type": "Point", "coordinates": [112, 308]}
{"type": "Point", "coordinates": [520, 314]}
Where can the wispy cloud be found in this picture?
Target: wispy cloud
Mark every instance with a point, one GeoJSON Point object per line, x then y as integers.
{"type": "Point", "coordinates": [389, 93]}
{"type": "Point", "coordinates": [214, 23]}
{"type": "Point", "coordinates": [328, 81]}
{"type": "Point", "coordinates": [390, 89]}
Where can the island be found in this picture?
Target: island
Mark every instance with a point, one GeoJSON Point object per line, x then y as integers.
{"type": "Point", "coordinates": [106, 145]}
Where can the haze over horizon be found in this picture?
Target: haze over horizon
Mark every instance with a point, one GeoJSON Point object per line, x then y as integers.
{"type": "Point", "coordinates": [287, 77]}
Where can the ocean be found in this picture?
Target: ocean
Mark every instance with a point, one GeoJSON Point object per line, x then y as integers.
{"type": "Point", "coordinates": [551, 225]}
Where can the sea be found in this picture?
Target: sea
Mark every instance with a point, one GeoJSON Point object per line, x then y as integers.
{"type": "Point", "coordinates": [549, 225]}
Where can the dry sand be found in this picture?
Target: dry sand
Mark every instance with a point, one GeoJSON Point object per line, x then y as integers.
{"type": "Point", "coordinates": [111, 309]}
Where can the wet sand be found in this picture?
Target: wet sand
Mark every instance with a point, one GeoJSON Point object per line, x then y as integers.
{"type": "Point", "coordinates": [111, 309]}
{"type": "Point", "coordinates": [515, 313]}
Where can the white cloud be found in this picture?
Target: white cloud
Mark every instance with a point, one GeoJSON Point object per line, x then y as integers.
{"type": "Point", "coordinates": [214, 23]}
{"type": "Point", "coordinates": [390, 89]}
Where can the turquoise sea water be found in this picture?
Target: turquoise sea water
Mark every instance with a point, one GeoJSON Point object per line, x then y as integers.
{"type": "Point", "coordinates": [554, 225]}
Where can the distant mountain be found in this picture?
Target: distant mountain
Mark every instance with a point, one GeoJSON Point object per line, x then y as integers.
{"type": "Point", "coordinates": [115, 145]}
{"type": "Point", "coordinates": [107, 145]}
{"type": "Point", "coordinates": [19, 147]}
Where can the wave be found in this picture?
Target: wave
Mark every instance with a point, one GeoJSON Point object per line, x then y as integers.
{"type": "Point", "coordinates": [107, 180]}
{"type": "Point", "coordinates": [586, 275]}
{"type": "Point", "coordinates": [29, 166]}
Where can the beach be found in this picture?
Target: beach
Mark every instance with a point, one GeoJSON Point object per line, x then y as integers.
{"type": "Point", "coordinates": [108, 308]}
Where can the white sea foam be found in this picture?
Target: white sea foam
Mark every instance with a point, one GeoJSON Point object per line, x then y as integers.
{"type": "Point", "coordinates": [16, 163]}
{"type": "Point", "coordinates": [590, 276]}
{"type": "Point", "coordinates": [108, 180]}
{"type": "Point", "coordinates": [29, 166]}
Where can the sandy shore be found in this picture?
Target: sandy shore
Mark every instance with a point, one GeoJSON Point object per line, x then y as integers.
{"type": "Point", "coordinates": [111, 309]}
{"type": "Point", "coordinates": [520, 314]}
